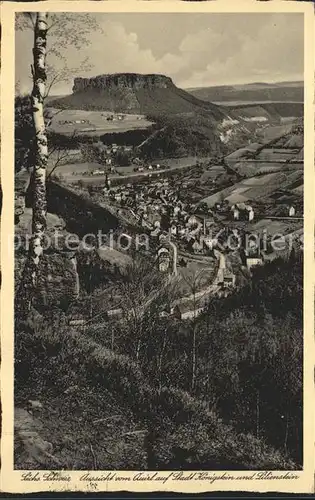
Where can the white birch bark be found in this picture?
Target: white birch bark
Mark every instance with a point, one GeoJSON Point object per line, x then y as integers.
{"type": "Point", "coordinates": [41, 150]}
{"type": "Point", "coordinates": [39, 207]}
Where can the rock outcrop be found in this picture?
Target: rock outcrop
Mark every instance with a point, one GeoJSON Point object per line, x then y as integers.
{"type": "Point", "coordinates": [31, 449]}
{"type": "Point", "coordinates": [116, 81]}
{"type": "Point", "coordinates": [59, 279]}
{"type": "Point", "coordinates": [135, 93]}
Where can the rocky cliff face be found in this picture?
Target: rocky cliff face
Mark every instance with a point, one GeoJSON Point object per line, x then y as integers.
{"type": "Point", "coordinates": [135, 93]}
{"type": "Point", "coordinates": [116, 81]}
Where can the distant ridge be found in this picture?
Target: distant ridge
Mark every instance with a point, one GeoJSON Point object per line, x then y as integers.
{"type": "Point", "coordinates": [298, 83]}
{"type": "Point", "coordinates": [252, 92]}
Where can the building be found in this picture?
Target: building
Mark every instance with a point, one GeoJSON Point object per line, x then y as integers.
{"type": "Point", "coordinates": [251, 215]}
{"type": "Point", "coordinates": [210, 242]}
{"type": "Point", "coordinates": [77, 322]}
{"type": "Point", "coordinates": [197, 247]}
{"type": "Point", "coordinates": [173, 230]}
{"type": "Point", "coordinates": [167, 255]}
{"type": "Point", "coordinates": [225, 278]}
{"type": "Point", "coordinates": [176, 211]}
{"type": "Point", "coordinates": [107, 182]}
{"type": "Point", "coordinates": [253, 256]}
{"type": "Point", "coordinates": [253, 262]}
{"type": "Point", "coordinates": [176, 312]}
{"type": "Point", "coordinates": [291, 211]}
{"type": "Point", "coordinates": [236, 214]}
{"type": "Point", "coordinates": [229, 278]}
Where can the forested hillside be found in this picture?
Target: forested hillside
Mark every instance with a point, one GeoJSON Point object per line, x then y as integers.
{"type": "Point", "coordinates": [245, 399]}
{"type": "Point", "coordinates": [253, 92]}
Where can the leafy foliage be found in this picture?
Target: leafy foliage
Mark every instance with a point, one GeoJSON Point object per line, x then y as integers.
{"type": "Point", "coordinates": [24, 134]}
{"type": "Point", "coordinates": [64, 30]}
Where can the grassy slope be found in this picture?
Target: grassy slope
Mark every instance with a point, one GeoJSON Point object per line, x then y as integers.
{"type": "Point", "coordinates": [98, 384]}
{"type": "Point", "coordinates": [145, 101]}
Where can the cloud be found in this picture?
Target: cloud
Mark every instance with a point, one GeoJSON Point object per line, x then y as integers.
{"type": "Point", "coordinates": [124, 53]}
{"type": "Point", "coordinates": [275, 53]}
{"type": "Point", "coordinates": [210, 56]}
{"type": "Point", "coordinates": [224, 50]}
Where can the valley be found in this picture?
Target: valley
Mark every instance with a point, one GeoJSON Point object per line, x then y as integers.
{"type": "Point", "coordinates": [180, 227]}
{"type": "Point", "coordinates": [97, 185]}
{"type": "Point", "coordinates": [188, 200]}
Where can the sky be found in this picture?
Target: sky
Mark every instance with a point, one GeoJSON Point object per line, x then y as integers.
{"type": "Point", "coordinates": [195, 50]}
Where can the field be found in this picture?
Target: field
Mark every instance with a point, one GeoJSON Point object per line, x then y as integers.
{"type": "Point", "coordinates": [295, 141]}
{"type": "Point", "coordinates": [94, 121]}
{"type": "Point", "coordinates": [211, 174]}
{"type": "Point", "coordinates": [274, 227]}
{"type": "Point", "coordinates": [270, 154]}
{"type": "Point", "coordinates": [74, 172]}
{"type": "Point", "coordinates": [255, 188]}
{"type": "Point", "coordinates": [74, 169]}
{"type": "Point", "coordinates": [242, 153]}
{"type": "Point", "coordinates": [254, 113]}
{"type": "Point", "coordinates": [279, 149]}
{"type": "Point", "coordinates": [232, 104]}
{"type": "Point", "coordinates": [251, 168]}
{"type": "Point", "coordinates": [272, 133]}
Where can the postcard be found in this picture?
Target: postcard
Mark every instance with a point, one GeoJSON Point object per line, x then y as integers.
{"type": "Point", "coordinates": [157, 246]}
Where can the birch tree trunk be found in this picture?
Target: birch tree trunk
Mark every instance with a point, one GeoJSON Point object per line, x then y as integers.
{"type": "Point", "coordinates": [39, 208]}
{"type": "Point", "coordinates": [41, 150]}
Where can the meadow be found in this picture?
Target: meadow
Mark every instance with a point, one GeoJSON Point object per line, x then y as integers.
{"type": "Point", "coordinates": [255, 188]}
{"type": "Point", "coordinates": [83, 171]}
{"type": "Point", "coordinates": [94, 121]}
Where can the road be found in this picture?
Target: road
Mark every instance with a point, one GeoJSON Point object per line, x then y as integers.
{"type": "Point", "coordinates": [201, 296]}
{"type": "Point", "coordinates": [280, 218]}
{"type": "Point", "coordinates": [127, 173]}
